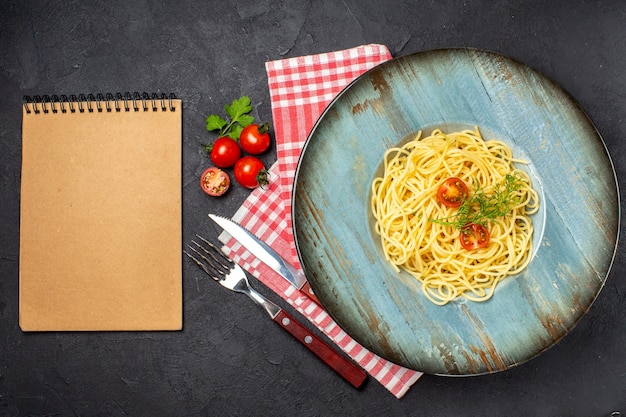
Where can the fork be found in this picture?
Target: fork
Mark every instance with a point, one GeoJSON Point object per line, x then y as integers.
{"type": "Point", "coordinates": [227, 273]}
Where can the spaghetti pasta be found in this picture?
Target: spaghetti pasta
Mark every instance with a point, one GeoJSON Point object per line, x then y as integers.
{"type": "Point", "coordinates": [418, 233]}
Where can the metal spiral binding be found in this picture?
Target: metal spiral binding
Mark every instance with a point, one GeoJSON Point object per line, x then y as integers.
{"type": "Point", "coordinates": [99, 103]}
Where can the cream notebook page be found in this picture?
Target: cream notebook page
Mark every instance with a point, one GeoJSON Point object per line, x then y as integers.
{"type": "Point", "coordinates": [101, 216]}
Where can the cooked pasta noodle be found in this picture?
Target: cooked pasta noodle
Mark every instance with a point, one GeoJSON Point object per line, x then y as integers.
{"type": "Point", "coordinates": [405, 207]}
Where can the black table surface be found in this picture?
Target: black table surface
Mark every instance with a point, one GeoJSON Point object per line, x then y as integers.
{"type": "Point", "coordinates": [230, 359]}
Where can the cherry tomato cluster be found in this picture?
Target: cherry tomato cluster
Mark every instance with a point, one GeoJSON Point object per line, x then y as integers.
{"type": "Point", "coordinates": [249, 171]}
{"type": "Point", "coordinates": [452, 193]}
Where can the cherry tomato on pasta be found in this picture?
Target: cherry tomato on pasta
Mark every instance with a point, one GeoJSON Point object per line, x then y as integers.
{"type": "Point", "coordinates": [474, 236]}
{"type": "Point", "coordinates": [452, 192]}
{"type": "Point", "coordinates": [225, 152]}
{"type": "Point", "coordinates": [250, 172]}
{"type": "Point", "coordinates": [214, 181]}
{"type": "Point", "coordinates": [255, 139]}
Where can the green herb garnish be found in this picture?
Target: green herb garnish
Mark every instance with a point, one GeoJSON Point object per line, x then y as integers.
{"type": "Point", "coordinates": [481, 208]}
{"type": "Point", "coordinates": [238, 118]}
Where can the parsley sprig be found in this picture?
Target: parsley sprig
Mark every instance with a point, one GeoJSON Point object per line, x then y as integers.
{"type": "Point", "coordinates": [238, 118]}
{"type": "Point", "coordinates": [481, 208]}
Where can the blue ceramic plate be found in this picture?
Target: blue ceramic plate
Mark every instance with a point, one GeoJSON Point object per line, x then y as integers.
{"type": "Point", "coordinates": [575, 231]}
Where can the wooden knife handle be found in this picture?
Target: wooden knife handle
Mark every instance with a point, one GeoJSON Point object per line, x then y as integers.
{"type": "Point", "coordinates": [306, 288]}
{"type": "Point", "coordinates": [341, 364]}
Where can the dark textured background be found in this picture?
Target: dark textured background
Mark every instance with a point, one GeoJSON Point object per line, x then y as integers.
{"type": "Point", "coordinates": [230, 359]}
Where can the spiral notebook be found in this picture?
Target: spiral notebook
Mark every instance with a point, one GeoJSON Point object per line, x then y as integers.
{"type": "Point", "coordinates": [101, 213]}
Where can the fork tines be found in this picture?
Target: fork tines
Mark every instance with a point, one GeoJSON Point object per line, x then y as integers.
{"type": "Point", "coordinates": [212, 263]}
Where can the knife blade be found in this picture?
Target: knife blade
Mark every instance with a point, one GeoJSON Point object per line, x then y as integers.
{"type": "Point", "coordinates": [265, 254]}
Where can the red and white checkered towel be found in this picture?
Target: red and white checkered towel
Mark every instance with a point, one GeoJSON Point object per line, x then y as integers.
{"type": "Point", "coordinates": [300, 90]}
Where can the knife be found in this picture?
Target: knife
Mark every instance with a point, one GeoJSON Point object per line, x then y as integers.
{"type": "Point", "coordinates": [265, 254]}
